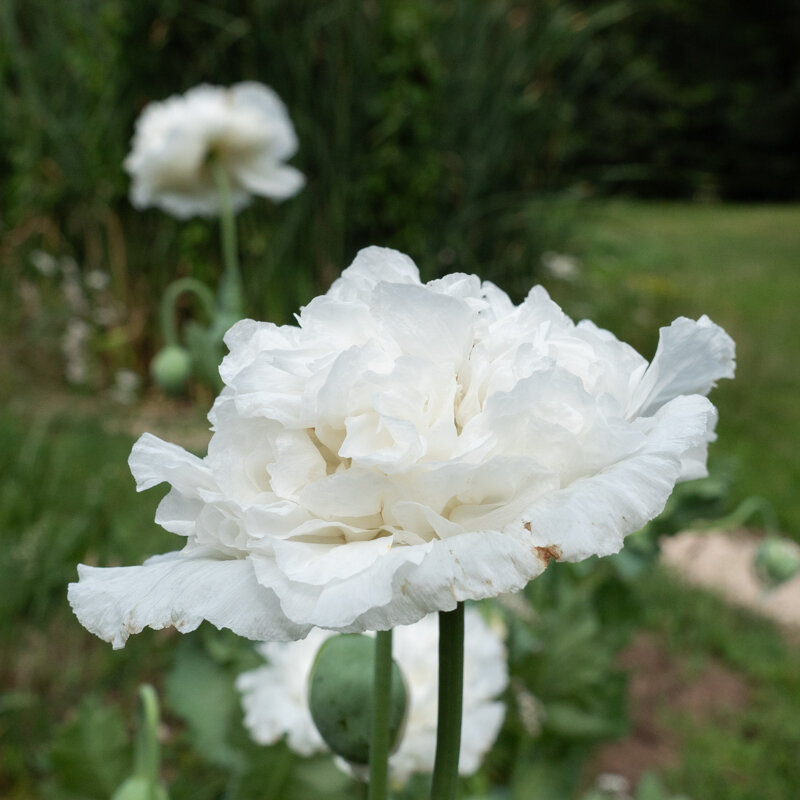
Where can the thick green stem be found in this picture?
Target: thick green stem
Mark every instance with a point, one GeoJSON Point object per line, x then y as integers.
{"type": "Point", "coordinates": [381, 704]}
{"type": "Point", "coordinates": [169, 329]}
{"type": "Point", "coordinates": [451, 689]}
{"type": "Point", "coordinates": [231, 285]}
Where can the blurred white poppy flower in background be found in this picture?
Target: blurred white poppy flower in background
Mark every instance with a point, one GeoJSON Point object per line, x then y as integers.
{"type": "Point", "coordinates": [245, 129]}
{"type": "Point", "coordinates": [406, 447]}
{"type": "Point", "coordinates": [275, 697]}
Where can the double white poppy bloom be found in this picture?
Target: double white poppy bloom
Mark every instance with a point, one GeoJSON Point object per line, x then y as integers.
{"type": "Point", "coordinates": [405, 447]}
{"type": "Point", "coordinates": [244, 129]}
{"type": "Point", "coordinates": [275, 696]}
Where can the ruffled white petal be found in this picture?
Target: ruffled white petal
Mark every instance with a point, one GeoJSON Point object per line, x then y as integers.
{"type": "Point", "coordinates": [267, 104]}
{"type": "Point", "coordinates": [178, 590]}
{"type": "Point", "coordinates": [268, 178]}
{"type": "Point", "coordinates": [406, 583]}
{"type": "Point", "coordinates": [593, 515]}
{"type": "Point", "coordinates": [153, 461]}
{"type": "Point", "coordinates": [690, 358]}
{"type": "Point", "coordinates": [371, 266]}
{"type": "Point", "coordinates": [275, 696]}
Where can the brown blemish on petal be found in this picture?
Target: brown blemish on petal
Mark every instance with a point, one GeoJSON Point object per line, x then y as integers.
{"type": "Point", "coordinates": [546, 554]}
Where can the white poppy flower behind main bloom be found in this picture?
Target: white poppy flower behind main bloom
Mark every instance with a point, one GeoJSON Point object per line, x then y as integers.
{"type": "Point", "coordinates": [246, 128]}
{"type": "Point", "coordinates": [404, 448]}
{"type": "Point", "coordinates": [275, 697]}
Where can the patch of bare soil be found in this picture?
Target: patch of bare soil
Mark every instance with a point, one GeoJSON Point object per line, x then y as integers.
{"type": "Point", "coordinates": [661, 689]}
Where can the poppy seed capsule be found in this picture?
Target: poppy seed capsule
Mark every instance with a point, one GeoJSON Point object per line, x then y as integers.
{"type": "Point", "coordinates": [776, 561]}
{"type": "Point", "coordinates": [171, 368]}
{"type": "Point", "coordinates": [340, 696]}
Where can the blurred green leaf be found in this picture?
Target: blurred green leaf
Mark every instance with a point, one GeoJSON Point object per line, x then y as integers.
{"type": "Point", "coordinates": [89, 754]}
{"type": "Point", "coordinates": [202, 694]}
{"type": "Point", "coordinates": [571, 721]}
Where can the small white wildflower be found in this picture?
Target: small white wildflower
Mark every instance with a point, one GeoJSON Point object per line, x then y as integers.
{"type": "Point", "coordinates": [106, 315]}
{"type": "Point", "coordinates": [560, 265]}
{"type": "Point", "coordinates": [97, 280]}
{"type": "Point", "coordinates": [126, 385]}
{"type": "Point", "coordinates": [69, 267]}
{"type": "Point", "coordinates": [74, 295]}
{"type": "Point", "coordinates": [530, 708]}
{"type": "Point", "coordinates": [44, 263]}
{"type": "Point", "coordinates": [73, 346]}
{"type": "Point", "coordinates": [617, 785]}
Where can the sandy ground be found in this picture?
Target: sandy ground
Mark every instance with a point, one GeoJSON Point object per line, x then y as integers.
{"type": "Point", "coordinates": [722, 562]}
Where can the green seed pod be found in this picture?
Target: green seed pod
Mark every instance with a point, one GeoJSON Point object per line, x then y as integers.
{"type": "Point", "coordinates": [776, 561]}
{"type": "Point", "coordinates": [340, 696]}
{"type": "Point", "coordinates": [171, 368]}
{"type": "Point", "coordinates": [138, 788]}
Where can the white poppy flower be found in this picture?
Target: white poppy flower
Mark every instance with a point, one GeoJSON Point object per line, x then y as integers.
{"type": "Point", "coordinates": [404, 448]}
{"type": "Point", "coordinates": [275, 697]}
{"type": "Point", "coordinates": [246, 128]}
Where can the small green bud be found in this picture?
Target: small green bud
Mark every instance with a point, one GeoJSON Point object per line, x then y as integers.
{"type": "Point", "coordinates": [340, 696]}
{"type": "Point", "coordinates": [171, 368]}
{"type": "Point", "coordinates": [776, 561]}
{"type": "Point", "coordinates": [138, 788]}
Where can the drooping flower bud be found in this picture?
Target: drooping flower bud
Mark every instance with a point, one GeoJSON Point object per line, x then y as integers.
{"type": "Point", "coordinates": [171, 368]}
{"type": "Point", "coordinates": [144, 783]}
{"type": "Point", "coordinates": [340, 696]}
{"type": "Point", "coordinates": [776, 561]}
{"type": "Point", "coordinates": [139, 788]}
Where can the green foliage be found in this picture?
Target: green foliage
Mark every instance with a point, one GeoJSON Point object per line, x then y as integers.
{"type": "Point", "coordinates": [66, 495]}
{"type": "Point", "coordinates": [434, 128]}
{"type": "Point", "coordinates": [749, 746]}
{"type": "Point", "coordinates": [193, 676]}
{"type": "Point", "coordinates": [693, 99]}
{"type": "Point", "coordinates": [144, 783]}
{"type": "Point", "coordinates": [89, 753]}
{"type": "Point", "coordinates": [650, 787]}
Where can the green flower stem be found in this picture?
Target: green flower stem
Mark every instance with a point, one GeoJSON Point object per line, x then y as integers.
{"type": "Point", "coordinates": [451, 689]}
{"type": "Point", "coordinates": [231, 293]}
{"type": "Point", "coordinates": [381, 702]}
{"type": "Point", "coordinates": [169, 329]}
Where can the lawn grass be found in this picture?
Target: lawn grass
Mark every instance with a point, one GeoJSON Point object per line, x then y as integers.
{"type": "Point", "coordinates": [750, 753]}
{"type": "Point", "coordinates": [645, 263]}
